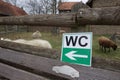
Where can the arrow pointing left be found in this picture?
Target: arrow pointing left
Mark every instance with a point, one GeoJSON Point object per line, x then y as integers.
{"type": "Point", "coordinates": [72, 54]}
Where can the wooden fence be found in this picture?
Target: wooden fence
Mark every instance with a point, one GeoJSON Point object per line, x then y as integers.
{"type": "Point", "coordinates": [17, 62]}
{"type": "Point", "coordinates": [23, 62]}
{"type": "Point", "coordinates": [4, 29]}
{"type": "Point", "coordinates": [89, 16]}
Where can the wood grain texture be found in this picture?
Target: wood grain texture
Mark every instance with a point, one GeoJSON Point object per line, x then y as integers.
{"type": "Point", "coordinates": [87, 16]}
{"type": "Point", "coordinates": [45, 65]}
{"type": "Point", "coordinates": [17, 74]}
{"type": "Point", "coordinates": [49, 53]}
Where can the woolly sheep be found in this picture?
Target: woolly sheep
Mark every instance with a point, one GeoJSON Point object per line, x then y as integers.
{"type": "Point", "coordinates": [34, 42]}
{"type": "Point", "coordinates": [36, 35]}
{"type": "Point", "coordinates": [17, 40]}
{"type": "Point", "coordinates": [20, 41]}
{"type": "Point", "coordinates": [67, 70]}
{"type": "Point", "coordinates": [39, 43]}
{"type": "Point", "coordinates": [6, 39]}
{"type": "Point", "coordinates": [1, 38]}
{"type": "Point", "coordinates": [105, 42]}
{"type": "Point", "coordinates": [62, 31]}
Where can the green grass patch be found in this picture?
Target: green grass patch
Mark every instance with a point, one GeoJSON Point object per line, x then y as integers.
{"type": "Point", "coordinates": [109, 55]}
{"type": "Point", "coordinates": [56, 42]}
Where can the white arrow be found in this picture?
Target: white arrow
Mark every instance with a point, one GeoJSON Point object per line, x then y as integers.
{"type": "Point", "coordinates": [72, 54]}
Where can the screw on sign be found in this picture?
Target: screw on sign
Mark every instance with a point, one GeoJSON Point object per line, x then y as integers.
{"type": "Point", "coordinates": [77, 48]}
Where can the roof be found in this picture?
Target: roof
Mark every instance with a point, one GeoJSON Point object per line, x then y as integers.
{"type": "Point", "coordinates": [66, 5]}
{"type": "Point", "coordinates": [11, 10]}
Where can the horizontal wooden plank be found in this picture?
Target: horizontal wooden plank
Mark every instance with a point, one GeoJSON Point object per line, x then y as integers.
{"type": "Point", "coordinates": [37, 63]}
{"type": "Point", "coordinates": [17, 74]}
{"type": "Point", "coordinates": [41, 20]}
{"type": "Point", "coordinates": [55, 54]}
{"type": "Point", "coordinates": [86, 16]}
{"type": "Point", "coordinates": [3, 78]}
{"type": "Point", "coordinates": [45, 65]}
{"type": "Point", "coordinates": [99, 16]}
{"type": "Point", "coordinates": [30, 49]}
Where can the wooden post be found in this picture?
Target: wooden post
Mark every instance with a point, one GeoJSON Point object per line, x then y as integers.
{"type": "Point", "coordinates": [41, 20]}
{"type": "Point", "coordinates": [43, 66]}
{"type": "Point", "coordinates": [98, 16]}
{"type": "Point", "coordinates": [18, 74]}
{"type": "Point", "coordinates": [49, 53]}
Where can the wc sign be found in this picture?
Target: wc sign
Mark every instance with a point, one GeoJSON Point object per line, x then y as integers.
{"type": "Point", "coordinates": [77, 48]}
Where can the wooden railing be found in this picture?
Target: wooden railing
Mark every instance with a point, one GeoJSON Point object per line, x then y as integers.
{"type": "Point", "coordinates": [18, 63]}
{"type": "Point", "coordinates": [100, 16]}
{"type": "Point", "coordinates": [23, 62]}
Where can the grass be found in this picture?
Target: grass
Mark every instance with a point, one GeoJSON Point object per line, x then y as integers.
{"type": "Point", "coordinates": [115, 55]}
{"type": "Point", "coordinates": [56, 42]}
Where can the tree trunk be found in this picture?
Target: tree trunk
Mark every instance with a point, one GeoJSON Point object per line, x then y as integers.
{"type": "Point", "coordinates": [99, 16]}
{"type": "Point", "coordinates": [41, 20]}
{"type": "Point", "coordinates": [95, 16]}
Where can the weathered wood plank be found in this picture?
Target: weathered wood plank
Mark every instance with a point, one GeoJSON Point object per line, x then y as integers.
{"type": "Point", "coordinates": [98, 16]}
{"type": "Point", "coordinates": [45, 65]}
{"type": "Point", "coordinates": [17, 74]}
{"type": "Point", "coordinates": [37, 63]}
{"type": "Point", "coordinates": [55, 54]}
{"type": "Point", "coordinates": [41, 20]}
{"type": "Point", "coordinates": [49, 53]}
{"type": "Point", "coordinates": [3, 78]}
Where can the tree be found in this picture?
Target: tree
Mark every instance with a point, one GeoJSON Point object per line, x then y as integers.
{"type": "Point", "coordinates": [32, 6]}
{"type": "Point", "coordinates": [14, 2]}
{"type": "Point", "coordinates": [7, 1]}
{"type": "Point", "coordinates": [37, 6]}
{"type": "Point", "coordinates": [54, 6]}
{"type": "Point", "coordinates": [46, 6]}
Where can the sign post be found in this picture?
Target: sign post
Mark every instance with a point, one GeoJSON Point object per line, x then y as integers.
{"type": "Point", "coordinates": [77, 48]}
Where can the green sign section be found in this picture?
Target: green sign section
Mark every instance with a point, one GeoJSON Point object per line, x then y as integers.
{"type": "Point", "coordinates": [77, 48]}
{"type": "Point", "coordinates": [77, 56]}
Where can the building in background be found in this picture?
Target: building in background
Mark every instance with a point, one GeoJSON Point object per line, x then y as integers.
{"type": "Point", "coordinates": [67, 7]}
{"type": "Point", "coordinates": [71, 7]}
{"type": "Point", "coordinates": [7, 9]}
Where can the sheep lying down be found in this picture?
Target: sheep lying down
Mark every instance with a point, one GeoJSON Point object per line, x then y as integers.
{"type": "Point", "coordinates": [39, 43]}
{"type": "Point", "coordinates": [20, 41]}
{"type": "Point", "coordinates": [34, 42]}
{"type": "Point", "coordinates": [6, 39]}
{"type": "Point", "coordinates": [66, 70]}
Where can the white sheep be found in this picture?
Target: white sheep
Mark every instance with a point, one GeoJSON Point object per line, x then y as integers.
{"type": "Point", "coordinates": [62, 31]}
{"type": "Point", "coordinates": [1, 38]}
{"type": "Point", "coordinates": [5, 39]}
{"type": "Point", "coordinates": [35, 42]}
{"type": "Point", "coordinates": [39, 43]}
{"type": "Point", "coordinates": [20, 41]}
{"type": "Point", "coordinates": [36, 35]}
{"type": "Point", "coordinates": [67, 70]}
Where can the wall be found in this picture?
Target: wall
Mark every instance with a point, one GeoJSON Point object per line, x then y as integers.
{"type": "Point", "coordinates": [77, 6]}
{"type": "Point", "coordinates": [105, 3]}
{"type": "Point", "coordinates": [104, 29]}
{"type": "Point", "coordinates": [12, 28]}
{"type": "Point", "coordinates": [47, 29]}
